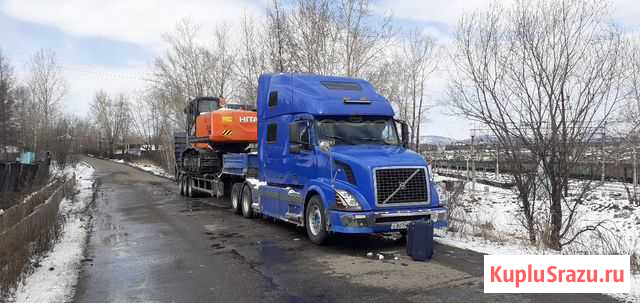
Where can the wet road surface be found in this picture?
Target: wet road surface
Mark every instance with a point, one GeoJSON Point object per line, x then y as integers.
{"type": "Point", "coordinates": [149, 244]}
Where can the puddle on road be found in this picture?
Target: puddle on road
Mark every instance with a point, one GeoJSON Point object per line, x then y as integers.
{"type": "Point", "coordinates": [270, 254]}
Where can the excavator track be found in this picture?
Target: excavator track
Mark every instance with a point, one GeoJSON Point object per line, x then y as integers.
{"type": "Point", "coordinates": [201, 161]}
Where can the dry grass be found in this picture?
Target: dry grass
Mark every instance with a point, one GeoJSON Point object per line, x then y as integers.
{"type": "Point", "coordinates": [29, 229]}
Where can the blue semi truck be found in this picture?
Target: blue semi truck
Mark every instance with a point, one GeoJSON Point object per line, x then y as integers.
{"type": "Point", "coordinates": [330, 157]}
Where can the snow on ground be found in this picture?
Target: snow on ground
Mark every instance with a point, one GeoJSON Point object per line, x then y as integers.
{"type": "Point", "coordinates": [55, 279]}
{"type": "Point", "coordinates": [152, 168]}
{"type": "Point", "coordinates": [488, 222]}
{"type": "Point", "coordinates": [147, 166]}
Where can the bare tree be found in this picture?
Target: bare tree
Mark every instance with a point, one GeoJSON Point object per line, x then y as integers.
{"type": "Point", "coordinates": [7, 106]}
{"type": "Point", "coordinates": [278, 37]}
{"type": "Point", "coordinates": [544, 76]}
{"type": "Point", "coordinates": [631, 118]}
{"type": "Point", "coordinates": [252, 60]}
{"type": "Point", "coordinates": [418, 60]}
{"type": "Point", "coordinates": [362, 41]}
{"type": "Point", "coordinates": [112, 115]}
{"type": "Point", "coordinates": [25, 111]}
{"type": "Point", "coordinates": [47, 88]}
{"type": "Point", "coordinates": [222, 73]}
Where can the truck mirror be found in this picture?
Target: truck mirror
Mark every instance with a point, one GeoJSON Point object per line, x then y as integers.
{"type": "Point", "coordinates": [404, 136]}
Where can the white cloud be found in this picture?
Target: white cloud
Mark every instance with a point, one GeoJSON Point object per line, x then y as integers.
{"type": "Point", "coordinates": [85, 80]}
{"type": "Point", "coordinates": [449, 12]}
{"type": "Point", "coordinates": [138, 21]}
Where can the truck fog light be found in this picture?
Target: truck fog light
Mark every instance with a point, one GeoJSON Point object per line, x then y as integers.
{"type": "Point", "coordinates": [346, 200]}
{"type": "Point", "coordinates": [439, 216]}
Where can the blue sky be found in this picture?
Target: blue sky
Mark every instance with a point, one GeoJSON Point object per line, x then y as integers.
{"type": "Point", "coordinates": [110, 44]}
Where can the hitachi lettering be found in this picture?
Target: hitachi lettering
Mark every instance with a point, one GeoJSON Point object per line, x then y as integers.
{"type": "Point", "coordinates": [248, 119]}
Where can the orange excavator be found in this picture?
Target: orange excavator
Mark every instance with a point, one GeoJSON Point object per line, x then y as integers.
{"type": "Point", "coordinates": [213, 129]}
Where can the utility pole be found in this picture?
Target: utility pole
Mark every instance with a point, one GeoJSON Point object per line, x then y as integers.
{"type": "Point", "coordinates": [635, 174]}
{"type": "Point", "coordinates": [602, 152]}
{"type": "Point", "coordinates": [497, 161]}
{"type": "Point", "coordinates": [473, 163]}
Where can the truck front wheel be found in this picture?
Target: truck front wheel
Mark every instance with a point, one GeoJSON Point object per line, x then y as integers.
{"type": "Point", "coordinates": [315, 221]}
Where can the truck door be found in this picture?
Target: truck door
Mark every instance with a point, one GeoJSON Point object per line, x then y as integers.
{"type": "Point", "coordinates": [300, 164]}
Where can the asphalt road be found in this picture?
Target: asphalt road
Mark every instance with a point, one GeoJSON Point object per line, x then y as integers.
{"type": "Point", "coordinates": [149, 244]}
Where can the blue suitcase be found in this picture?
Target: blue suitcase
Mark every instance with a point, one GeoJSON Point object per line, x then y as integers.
{"type": "Point", "coordinates": [420, 240]}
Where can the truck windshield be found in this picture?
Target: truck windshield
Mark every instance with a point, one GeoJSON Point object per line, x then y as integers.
{"type": "Point", "coordinates": [358, 131]}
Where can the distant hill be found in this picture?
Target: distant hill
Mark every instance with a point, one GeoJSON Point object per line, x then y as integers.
{"type": "Point", "coordinates": [436, 140]}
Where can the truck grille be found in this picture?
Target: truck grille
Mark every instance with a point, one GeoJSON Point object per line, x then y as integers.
{"type": "Point", "coordinates": [389, 180]}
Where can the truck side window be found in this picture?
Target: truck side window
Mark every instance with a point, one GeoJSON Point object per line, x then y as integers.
{"type": "Point", "coordinates": [272, 133]}
{"type": "Point", "coordinates": [273, 99]}
{"type": "Point", "coordinates": [299, 132]}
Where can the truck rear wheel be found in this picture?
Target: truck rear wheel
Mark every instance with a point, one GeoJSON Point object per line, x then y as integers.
{"type": "Point", "coordinates": [181, 185]}
{"type": "Point", "coordinates": [315, 221]}
{"type": "Point", "coordinates": [247, 200]}
{"type": "Point", "coordinates": [236, 198]}
{"type": "Point", "coordinates": [189, 188]}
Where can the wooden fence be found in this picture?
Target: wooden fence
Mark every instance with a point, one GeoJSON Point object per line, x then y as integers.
{"type": "Point", "coordinates": [17, 177]}
{"type": "Point", "coordinates": [29, 229]}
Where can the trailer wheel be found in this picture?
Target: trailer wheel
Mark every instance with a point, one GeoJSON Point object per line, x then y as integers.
{"type": "Point", "coordinates": [247, 200]}
{"type": "Point", "coordinates": [236, 190]}
{"type": "Point", "coordinates": [315, 221]}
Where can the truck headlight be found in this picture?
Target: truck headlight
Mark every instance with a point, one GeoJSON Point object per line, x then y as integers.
{"type": "Point", "coordinates": [346, 200]}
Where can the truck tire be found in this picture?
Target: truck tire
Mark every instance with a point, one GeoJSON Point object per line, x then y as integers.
{"type": "Point", "coordinates": [236, 198]}
{"type": "Point", "coordinates": [188, 187]}
{"type": "Point", "coordinates": [315, 221]}
{"type": "Point", "coordinates": [247, 200]}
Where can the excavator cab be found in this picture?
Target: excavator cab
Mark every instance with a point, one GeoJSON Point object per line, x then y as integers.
{"type": "Point", "coordinates": [214, 130]}
{"type": "Point", "coordinates": [199, 106]}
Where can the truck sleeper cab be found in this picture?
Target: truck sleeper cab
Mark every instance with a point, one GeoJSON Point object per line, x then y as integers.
{"type": "Point", "coordinates": [330, 158]}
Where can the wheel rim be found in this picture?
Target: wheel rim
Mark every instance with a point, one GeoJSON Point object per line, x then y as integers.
{"type": "Point", "coordinates": [315, 220]}
{"type": "Point", "coordinates": [234, 199]}
{"type": "Point", "coordinates": [245, 202]}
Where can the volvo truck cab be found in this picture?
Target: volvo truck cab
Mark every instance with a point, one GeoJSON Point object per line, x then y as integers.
{"type": "Point", "coordinates": [332, 158]}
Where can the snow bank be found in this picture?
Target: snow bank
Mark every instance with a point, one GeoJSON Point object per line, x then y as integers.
{"type": "Point", "coordinates": [55, 278]}
{"type": "Point", "coordinates": [152, 168]}
{"type": "Point", "coordinates": [495, 211]}
{"type": "Point", "coordinates": [147, 166]}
